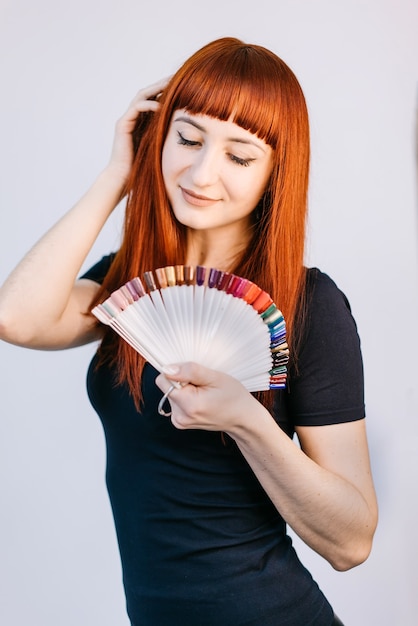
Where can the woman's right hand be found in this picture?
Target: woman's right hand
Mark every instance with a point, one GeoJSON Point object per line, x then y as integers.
{"type": "Point", "coordinates": [146, 100]}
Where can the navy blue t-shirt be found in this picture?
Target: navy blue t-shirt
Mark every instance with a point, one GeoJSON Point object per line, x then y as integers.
{"type": "Point", "coordinates": [201, 544]}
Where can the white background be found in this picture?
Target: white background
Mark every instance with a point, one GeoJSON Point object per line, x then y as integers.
{"type": "Point", "coordinates": [68, 70]}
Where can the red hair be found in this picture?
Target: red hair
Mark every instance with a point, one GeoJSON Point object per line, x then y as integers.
{"type": "Point", "coordinates": [226, 79]}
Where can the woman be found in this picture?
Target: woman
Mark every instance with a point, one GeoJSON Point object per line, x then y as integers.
{"type": "Point", "coordinates": [214, 163]}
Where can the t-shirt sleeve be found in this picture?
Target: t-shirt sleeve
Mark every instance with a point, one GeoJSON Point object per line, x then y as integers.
{"type": "Point", "coordinates": [328, 387]}
{"type": "Point", "coordinates": [99, 270]}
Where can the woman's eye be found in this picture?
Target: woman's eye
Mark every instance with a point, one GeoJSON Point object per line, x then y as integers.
{"type": "Point", "coordinates": [239, 161]}
{"type": "Point", "coordinates": [185, 142]}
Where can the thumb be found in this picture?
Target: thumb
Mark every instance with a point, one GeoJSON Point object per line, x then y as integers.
{"type": "Point", "coordinates": [192, 373]}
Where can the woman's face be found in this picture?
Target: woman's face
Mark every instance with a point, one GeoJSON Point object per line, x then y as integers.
{"type": "Point", "coordinates": [215, 172]}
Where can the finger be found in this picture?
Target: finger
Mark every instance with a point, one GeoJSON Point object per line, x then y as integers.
{"type": "Point", "coordinates": [141, 106]}
{"type": "Point", "coordinates": [155, 88]}
{"type": "Point", "coordinates": [192, 373]}
{"type": "Point", "coordinates": [164, 383]}
{"type": "Point", "coordinates": [145, 105]}
{"type": "Point", "coordinates": [151, 92]}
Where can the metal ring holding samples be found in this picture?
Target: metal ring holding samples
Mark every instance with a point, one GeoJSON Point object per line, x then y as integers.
{"type": "Point", "coordinates": [162, 401]}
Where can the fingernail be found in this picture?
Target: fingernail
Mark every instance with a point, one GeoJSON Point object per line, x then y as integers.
{"type": "Point", "coordinates": [171, 370]}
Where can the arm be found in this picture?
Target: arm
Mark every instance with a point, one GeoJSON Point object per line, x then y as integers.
{"type": "Point", "coordinates": [41, 303]}
{"type": "Point", "coordinates": [323, 490]}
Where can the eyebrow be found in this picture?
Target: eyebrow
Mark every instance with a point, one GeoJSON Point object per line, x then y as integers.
{"type": "Point", "coordinates": [192, 122]}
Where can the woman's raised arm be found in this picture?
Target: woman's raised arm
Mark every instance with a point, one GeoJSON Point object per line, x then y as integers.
{"type": "Point", "coordinates": [42, 305]}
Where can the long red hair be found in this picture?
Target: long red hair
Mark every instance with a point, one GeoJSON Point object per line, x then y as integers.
{"type": "Point", "coordinates": [226, 79]}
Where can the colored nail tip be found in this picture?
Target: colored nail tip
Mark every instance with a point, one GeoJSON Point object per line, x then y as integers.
{"type": "Point", "coordinates": [200, 274]}
{"type": "Point", "coordinates": [232, 285]}
{"type": "Point", "coordinates": [224, 280]}
{"type": "Point", "coordinates": [109, 307]}
{"type": "Point", "coordinates": [161, 277]}
{"type": "Point", "coordinates": [150, 281]}
{"type": "Point", "coordinates": [137, 286]}
{"type": "Point", "coordinates": [189, 274]}
{"type": "Point", "coordinates": [269, 311]}
{"type": "Point", "coordinates": [119, 300]}
{"type": "Point", "coordinates": [179, 273]}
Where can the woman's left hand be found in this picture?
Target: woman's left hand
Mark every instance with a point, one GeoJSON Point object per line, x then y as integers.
{"type": "Point", "coordinates": [207, 399]}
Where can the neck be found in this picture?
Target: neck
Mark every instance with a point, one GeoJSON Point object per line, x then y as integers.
{"type": "Point", "coordinates": [215, 249]}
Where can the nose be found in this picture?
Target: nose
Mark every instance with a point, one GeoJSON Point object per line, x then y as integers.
{"type": "Point", "coordinates": [205, 167]}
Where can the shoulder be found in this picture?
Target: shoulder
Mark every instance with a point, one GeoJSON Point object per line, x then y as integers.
{"type": "Point", "coordinates": [326, 386]}
{"type": "Point", "coordinates": [322, 292]}
{"type": "Point", "coordinates": [327, 311]}
{"type": "Point", "coordinates": [99, 270]}
{"type": "Point", "coordinates": [328, 319]}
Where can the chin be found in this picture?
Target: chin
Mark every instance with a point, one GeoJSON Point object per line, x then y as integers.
{"type": "Point", "coordinates": [195, 222]}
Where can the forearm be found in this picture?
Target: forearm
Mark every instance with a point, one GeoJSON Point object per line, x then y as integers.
{"type": "Point", "coordinates": [37, 291]}
{"type": "Point", "coordinates": [327, 511]}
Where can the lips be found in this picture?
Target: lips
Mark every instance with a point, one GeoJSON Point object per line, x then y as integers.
{"type": "Point", "coordinates": [197, 199]}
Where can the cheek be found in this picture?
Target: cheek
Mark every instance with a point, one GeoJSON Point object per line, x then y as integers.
{"type": "Point", "coordinates": [251, 189]}
{"type": "Point", "coordinates": [262, 183]}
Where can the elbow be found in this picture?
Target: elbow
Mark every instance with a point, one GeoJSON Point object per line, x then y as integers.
{"type": "Point", "coordinates": [351, 557]}
{"type": "Point", "coordinates": [5, 328]}
{"type": "Point", "coordinates": [357, 546]}
{"type": "Point", "coordinates": [353, 553]}
{"type": "Point", "coordinates": [13, 332]}
{"type": "Point", "coordinates": [7, 323]}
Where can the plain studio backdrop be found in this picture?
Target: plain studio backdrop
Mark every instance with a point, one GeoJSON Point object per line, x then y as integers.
{"type": "Point", "coordinates": [68, 70]}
